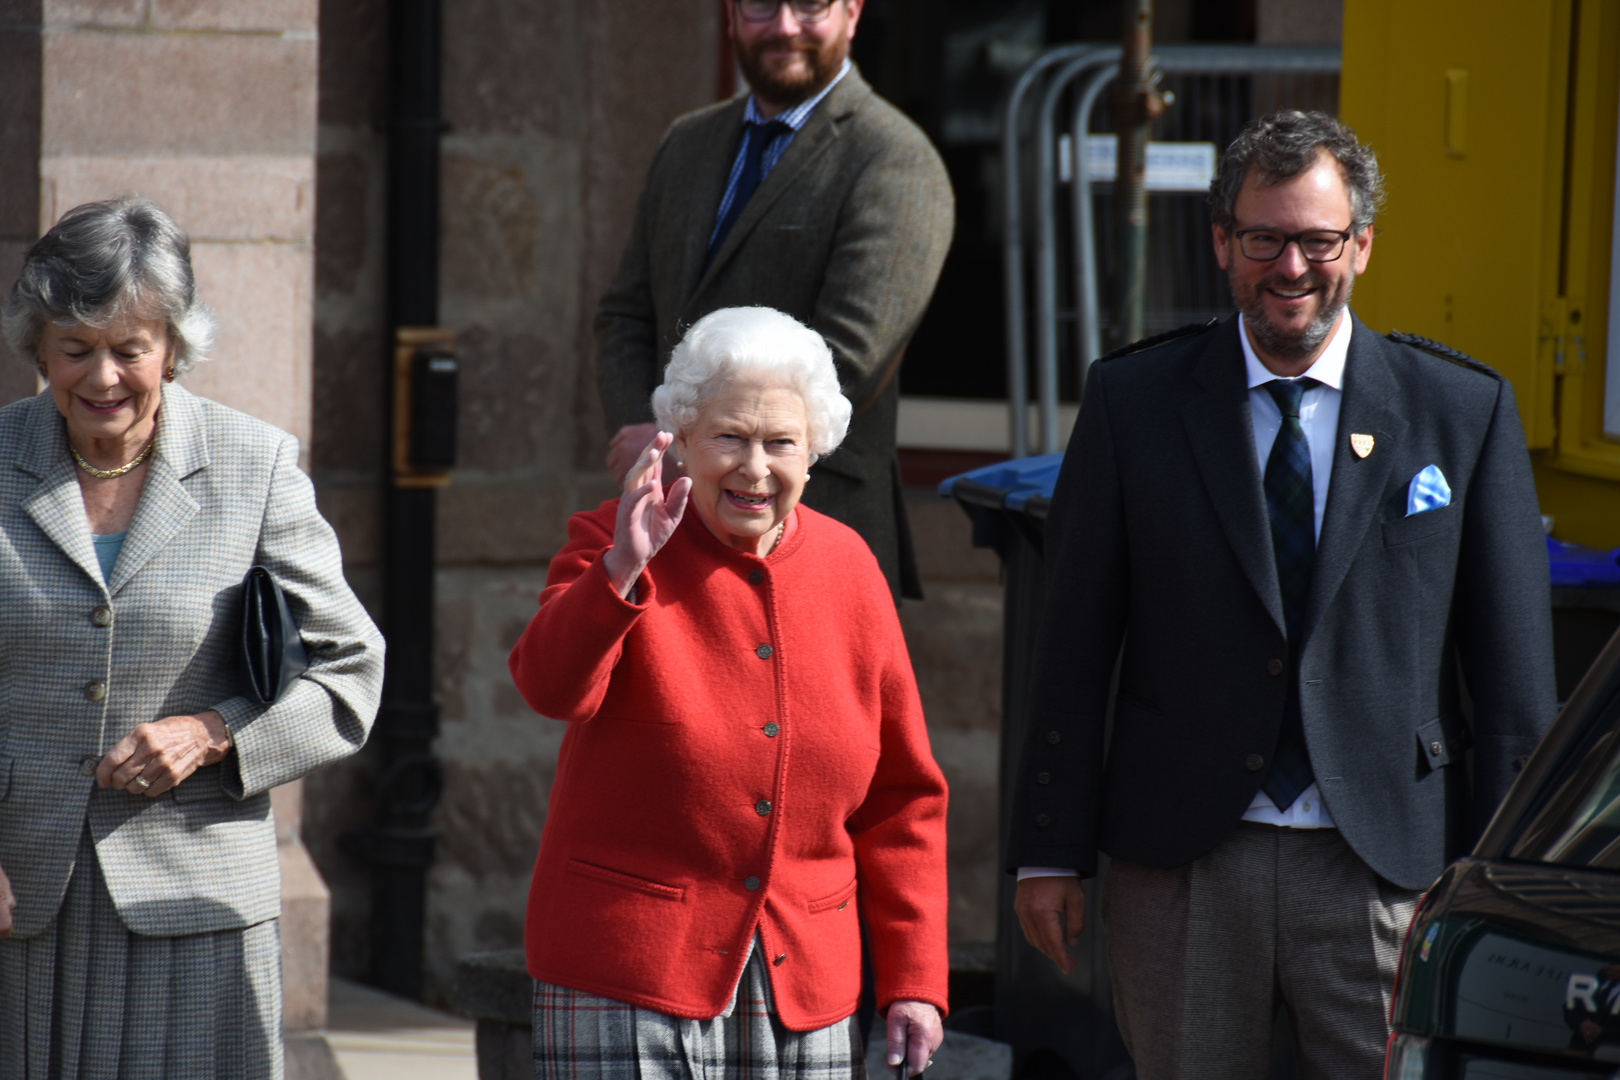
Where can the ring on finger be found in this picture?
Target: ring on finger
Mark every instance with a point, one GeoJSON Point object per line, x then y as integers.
{"type": "Point", "coordinates": [144, 782]}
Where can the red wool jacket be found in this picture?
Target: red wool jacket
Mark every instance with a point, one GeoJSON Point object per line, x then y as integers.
{"type": "Point", "coordinates": [745, 745]}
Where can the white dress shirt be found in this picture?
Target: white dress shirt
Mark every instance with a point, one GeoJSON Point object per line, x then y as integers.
{"type": "Point", "coordinates": [1319, 416]}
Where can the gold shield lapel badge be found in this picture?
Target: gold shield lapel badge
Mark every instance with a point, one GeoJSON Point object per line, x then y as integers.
{"type": "Point", "coordinates": [1361, 444]}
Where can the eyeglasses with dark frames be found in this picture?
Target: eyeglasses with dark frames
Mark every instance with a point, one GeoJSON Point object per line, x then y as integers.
{"type": "Point", "coordinates": [1317, 245]}
{"type": "Point", "coordinates": [807, 11]}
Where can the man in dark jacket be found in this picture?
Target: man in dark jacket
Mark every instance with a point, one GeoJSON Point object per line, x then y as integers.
{"type": "Point", "coordinates": [1306, 537]}
{"type": "Point", "coordinates": [811, 195]}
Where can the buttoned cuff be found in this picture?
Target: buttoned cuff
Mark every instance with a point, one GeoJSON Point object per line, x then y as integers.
{"type": "Point", "coordinates": [1045, 871]}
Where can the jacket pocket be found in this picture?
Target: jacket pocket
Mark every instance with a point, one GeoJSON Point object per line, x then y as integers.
{"type": "Point", "coordinates": [5, 778]}
{"type": "Point", "coordinates": [836, 902]}
{"type": "Point", "coordinates": [1409, 530]}
{"type": "Point", "coordinates": [626, 881]}
{"type": "Point", "coordinates": [1434, 747]}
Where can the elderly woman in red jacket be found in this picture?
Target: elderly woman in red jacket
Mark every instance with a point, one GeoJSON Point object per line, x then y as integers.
{"type": "Point", "coordinates": [746, 765]}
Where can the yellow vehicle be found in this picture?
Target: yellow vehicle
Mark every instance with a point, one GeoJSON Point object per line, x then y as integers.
{"type": "Point", "coordinates": [1496, 122]}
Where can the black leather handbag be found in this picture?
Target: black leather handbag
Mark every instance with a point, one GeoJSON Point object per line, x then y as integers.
{"type": "Point", "coordinates": [272, 649]}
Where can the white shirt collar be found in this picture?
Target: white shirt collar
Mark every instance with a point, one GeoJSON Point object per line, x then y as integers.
{"type": "Point", "coordinates": [796, 116]}
{"type": "Point", "coordinates": [1328, 368]}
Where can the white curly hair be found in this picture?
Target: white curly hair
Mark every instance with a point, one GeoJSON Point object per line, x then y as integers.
{"type": "Point", "coordinates": [761, 346]}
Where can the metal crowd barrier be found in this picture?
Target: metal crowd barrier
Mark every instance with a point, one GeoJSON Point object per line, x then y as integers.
{"type": "Point", "coordinates": [1217, 90]}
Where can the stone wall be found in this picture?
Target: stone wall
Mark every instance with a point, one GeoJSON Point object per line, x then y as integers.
{"type": "Point", "coordinates": [553, 113]}
{"type": "Point", "coordinates": [210, 110]}
{"type": "Point", "coordinates": [954, 637]}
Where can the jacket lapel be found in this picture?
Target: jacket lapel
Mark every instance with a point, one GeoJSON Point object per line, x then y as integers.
{"type": "Point", "coordinates": [1221, 431]}
{"type": "Point", "coordinates": [165, 505]}
{"type": "Point", "coordinates": [56, 506]}
{"type": "Point", "coordinates": [1358, 483]}
{"type": "Point", "coordinates": [712, 164]}
{"type": "Point", "coordinates": [818, 133]}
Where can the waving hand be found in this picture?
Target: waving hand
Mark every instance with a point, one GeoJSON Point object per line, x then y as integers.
{"type": "Point", "coordinates": [647, 515]}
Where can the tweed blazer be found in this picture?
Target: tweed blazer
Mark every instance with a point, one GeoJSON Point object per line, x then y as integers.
{"type": "Point", "coordinates": [847, 233]}
{"type": "Point", "coordinates": [1158, 539]}
{"type": "Point", "coordinates": [223, 492]}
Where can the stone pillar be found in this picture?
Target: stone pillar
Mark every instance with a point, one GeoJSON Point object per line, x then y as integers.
{"type": "Point", "coordinates": [306, 912]}
{"type": "Point", "coordinates": [209, 110]}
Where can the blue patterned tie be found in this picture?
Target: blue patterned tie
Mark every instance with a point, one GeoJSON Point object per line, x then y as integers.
{"type": "Point", "coordinates": [1291, 505]}
{"type": "Point", "coordinates": [759, 137]}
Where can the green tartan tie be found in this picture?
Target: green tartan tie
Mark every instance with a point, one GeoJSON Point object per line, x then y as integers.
{"type": "Point", "coordinates": [1291, 505]}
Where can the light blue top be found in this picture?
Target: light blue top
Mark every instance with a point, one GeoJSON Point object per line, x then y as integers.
{"type": "Point", "coordinates": [107, 549]}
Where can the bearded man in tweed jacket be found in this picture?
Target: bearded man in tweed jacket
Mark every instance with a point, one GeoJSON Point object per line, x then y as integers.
{"type": "Point", "coordinates": [811, 195]}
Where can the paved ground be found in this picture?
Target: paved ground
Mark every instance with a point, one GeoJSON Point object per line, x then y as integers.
{"type": "Point", "coordinates": [376, 1036]}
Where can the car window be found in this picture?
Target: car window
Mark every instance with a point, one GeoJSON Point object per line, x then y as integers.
{"type": "Point", "coordinates": [1579, 823]}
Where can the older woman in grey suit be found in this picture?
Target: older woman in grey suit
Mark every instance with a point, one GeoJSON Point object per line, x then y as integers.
{"type": "Point", "coordinates": [139, 888]}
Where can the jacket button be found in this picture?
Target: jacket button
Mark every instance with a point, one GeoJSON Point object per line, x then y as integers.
{"type": "Point", "coordinates": [763, 652]}
{"type": "Point", "coordinates": [751, 883]}
{"type": "Point", "coordinates": [101, 616]}
{"type": "Point", "coordinates": [1274, 666]}
{"type": "Point", "coordinates": [1043, 820]}
{"type": "Point", "coordinates": [1435, 748]}
{"type": "Point", "coordinates": [87, 765]}
{"type": "Point", "coordinates": [95, 691]}
{"type": "Point", "coordinates": [762, 807]}
{"type": "Point", "coordinates": [755, 576]}
{"type": "Point", "coordinates": [773, 729]}
{"type": "Point", "coordinates": [1053, 737]}
{"type": "Point", "coordinates": [1043, 778]}
{"type": "Point", "coordinates": [779, 959]}
{"type": "Point", "coordinates": [1254, 761]}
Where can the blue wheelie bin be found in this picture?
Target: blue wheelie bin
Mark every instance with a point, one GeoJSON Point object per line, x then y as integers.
{"type": "Point", "coordinates": [1585, 607]}
{"type": "Point", "coordinates": [1058, 1026]}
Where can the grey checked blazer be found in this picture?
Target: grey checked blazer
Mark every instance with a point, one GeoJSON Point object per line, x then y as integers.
{"type": "Point", "coordinates": [222, 493]}
{"type": "Point", "coordinates": [847, 234]}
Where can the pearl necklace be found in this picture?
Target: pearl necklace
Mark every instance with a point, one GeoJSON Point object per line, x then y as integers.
{"type": "Point", "coordinates": [113, 474]}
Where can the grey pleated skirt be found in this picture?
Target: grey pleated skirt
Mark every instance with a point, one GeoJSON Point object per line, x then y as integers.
{"type": "Point", "coordinates": [579, 1036]}
{"type": "Point", "coordinates": [86, 999]}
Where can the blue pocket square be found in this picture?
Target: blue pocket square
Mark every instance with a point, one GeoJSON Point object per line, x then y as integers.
{"type": "Point", "coordinates": [1427, 491]}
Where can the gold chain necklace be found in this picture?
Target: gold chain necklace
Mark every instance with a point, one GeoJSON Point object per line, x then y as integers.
{"type": "Point", "coordinates": [113, 474]}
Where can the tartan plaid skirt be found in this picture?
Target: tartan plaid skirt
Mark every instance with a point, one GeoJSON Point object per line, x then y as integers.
{"type": "Point", "coordinates": [86, 999]}
{"type": "Point", "coordinates": [579, 1036]}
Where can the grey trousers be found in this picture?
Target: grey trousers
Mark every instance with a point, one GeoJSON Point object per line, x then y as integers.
{"type": "Point", "coordinates": [1202, 953]}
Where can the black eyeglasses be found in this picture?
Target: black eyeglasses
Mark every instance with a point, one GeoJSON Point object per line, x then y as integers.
{"type": "Point", "coordinates": [1317, 245]}
{"type": "Point", "coordinates": [803, 10]}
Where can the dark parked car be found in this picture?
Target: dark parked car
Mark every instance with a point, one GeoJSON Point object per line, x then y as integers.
{"type": "Point", "coordinates": [1511, 969]}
